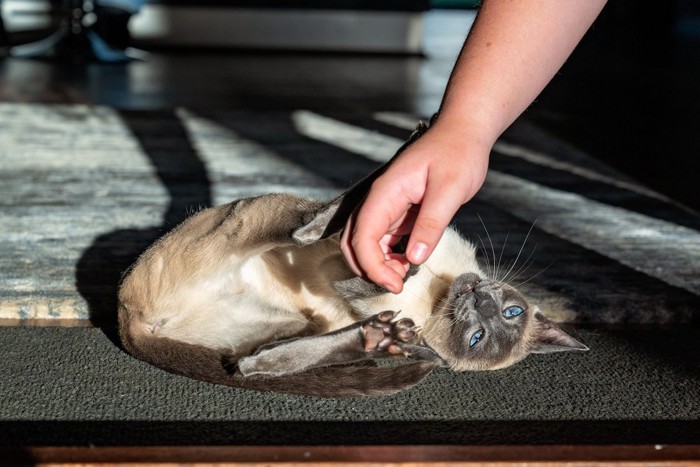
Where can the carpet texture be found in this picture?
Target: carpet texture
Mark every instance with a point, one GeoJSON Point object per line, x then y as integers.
{"type": "Point", "coordinates": [87, 189]}
{"type": "Point", "coordinates": [84, 190]}
{"type": "Point", "coordinates": [72, 386]}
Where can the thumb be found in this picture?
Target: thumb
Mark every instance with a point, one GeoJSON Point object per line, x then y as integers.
{"type": "Point", "coordinates": [434, 215]}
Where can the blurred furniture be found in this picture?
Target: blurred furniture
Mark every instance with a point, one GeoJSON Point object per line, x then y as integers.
{"type": "Point", "coordinates": [393, 26]}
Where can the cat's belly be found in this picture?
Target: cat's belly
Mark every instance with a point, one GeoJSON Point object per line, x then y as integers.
{"type": "Point", "coordinates": [296, 290]}
{"type": "Point", "coordinates": [241, 305]}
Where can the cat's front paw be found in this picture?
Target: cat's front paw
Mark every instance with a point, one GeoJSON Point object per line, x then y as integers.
{"type": "Point", "coordinates": [382, 335]}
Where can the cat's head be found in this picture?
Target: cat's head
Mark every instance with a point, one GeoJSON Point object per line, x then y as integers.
{"type": "Point", "coordinates": [483, 324]}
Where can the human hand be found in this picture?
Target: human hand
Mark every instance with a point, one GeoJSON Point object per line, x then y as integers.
{"type": "Point", "coordinates": [418, 194]}
{"type": "Point", "coordinates": [512, 51]}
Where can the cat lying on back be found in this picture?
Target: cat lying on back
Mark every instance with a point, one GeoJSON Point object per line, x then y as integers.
{"type": "Point", "coordinates": [256, 294]}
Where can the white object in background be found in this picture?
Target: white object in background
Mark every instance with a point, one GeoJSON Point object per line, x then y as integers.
{"type": "Point", "coordinates": [324, 30]}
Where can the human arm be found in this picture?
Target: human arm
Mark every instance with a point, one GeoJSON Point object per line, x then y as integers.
{"type": "Point", "coordinates": [513, 50]}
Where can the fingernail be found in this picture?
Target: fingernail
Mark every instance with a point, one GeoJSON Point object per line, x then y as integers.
{"type": "Point", "coordinates": [393, 288]}
{"type": "Point", "coordinates": [419, 252]}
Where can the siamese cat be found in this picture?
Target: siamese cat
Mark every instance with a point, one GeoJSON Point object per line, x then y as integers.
{"type": "Point", "coordinates": [256, 294]}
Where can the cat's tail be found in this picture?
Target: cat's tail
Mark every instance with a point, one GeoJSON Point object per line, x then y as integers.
{"type": "Point", "coordinates": [219, 367]}
{"type": "Point", "coordinates": [351, 380]}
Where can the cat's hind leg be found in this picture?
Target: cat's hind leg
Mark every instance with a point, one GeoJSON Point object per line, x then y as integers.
{"type": "Point", "coordinates": [374, 337]}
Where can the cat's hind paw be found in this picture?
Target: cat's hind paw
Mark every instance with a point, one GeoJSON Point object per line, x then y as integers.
{"type": "Point", "coordinates": [382, 335]}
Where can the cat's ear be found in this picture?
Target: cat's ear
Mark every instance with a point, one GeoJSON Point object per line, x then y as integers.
{"type": "Point", "coordinates": [315, 223]}
{"type": "Point", "coordinates": [332, 218]}
{"type": "Point", "coordinates": [550, 338]}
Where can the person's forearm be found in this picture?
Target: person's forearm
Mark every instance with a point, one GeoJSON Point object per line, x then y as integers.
{"type": "Point", "coordinates": [513, 50]}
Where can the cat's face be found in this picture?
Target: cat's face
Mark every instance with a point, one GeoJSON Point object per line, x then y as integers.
{"type": "Point", "coordinates": [483, 324]}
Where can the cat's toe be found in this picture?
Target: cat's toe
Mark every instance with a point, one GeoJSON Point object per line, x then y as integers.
{"type": "Point", "coordinates": [386, 316]}
{"type": "Point", "coordinates": [395, 349]}
{"type": "Point", "coordinates": [406, 335]}
{"type": "Point", "coordinates": [382, 335]}
{"type": "Point", "coordinates": [405, 330]}
{"type": "Point", "coordinates": [404, 324]}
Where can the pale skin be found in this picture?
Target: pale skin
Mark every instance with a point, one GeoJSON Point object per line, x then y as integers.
{"type": "Point", "coordinates": [513, 50]}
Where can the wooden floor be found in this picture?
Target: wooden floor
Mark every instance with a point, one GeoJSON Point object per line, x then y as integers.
{"type": "Point", "coordinates": [656, 455]}
{"type": "Point", "coordinates": [636, 110]}
{"type": "Point", "coordinates": [627, 95]}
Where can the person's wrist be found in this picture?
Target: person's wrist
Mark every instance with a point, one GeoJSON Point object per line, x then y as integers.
{"type": "Point", "coordinates": [467, 131]}
{"type": "Point", "coordinates": [465, 148]}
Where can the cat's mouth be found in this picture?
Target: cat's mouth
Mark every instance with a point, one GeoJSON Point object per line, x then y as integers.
{"type": "Point", "coordinates": [470, 298]}
{"type": "Point", "coordinates": [480, 301]}
{"type": "Point", "coordinates": [464, 304]}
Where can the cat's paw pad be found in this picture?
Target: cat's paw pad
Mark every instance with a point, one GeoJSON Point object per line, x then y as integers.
{"type": "Point", "coordinates": [382, 334]}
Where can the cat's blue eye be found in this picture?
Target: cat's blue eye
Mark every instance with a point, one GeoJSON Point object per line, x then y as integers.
{"type": "Point", "coordinates": [512, 311]}
{"type": "Point", "coordinates": [476, 337]}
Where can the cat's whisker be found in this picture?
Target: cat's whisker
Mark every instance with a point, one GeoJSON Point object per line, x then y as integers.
{"type": "Point", "coordinates": [526, 264]}
{"type": "Point", "coordinates": [445, 308]}
{"type": "Point", "coordinates": [453, 319]}
{"type": "Point", "coordinates": [531, 278]}
{"type": "Point", "coordinates": [438, 300]}
{"type": "Point", "coordinates": [520, 251]}
{"type": "Point", "coordinates": [440, 315]}
{"type": "Point", "coordinates": [493, 252]}
{"type": "Point", "coordinates": [500, 256]}
{"type": "Point", "coordinates": [507, 265]}
{"type": "Point", "coordinates": [419, 297]}
{"type": "Point", "coordinates": [522, 270]}
{"type": "Point", "coordinates": [487, 262]}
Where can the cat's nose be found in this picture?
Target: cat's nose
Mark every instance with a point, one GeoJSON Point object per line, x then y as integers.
{"type": "Point", "coordinates": [467, 282]}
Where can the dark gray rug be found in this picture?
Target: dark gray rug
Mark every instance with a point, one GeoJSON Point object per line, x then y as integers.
{"type": "Point", "coordinates": [85, 190]}
{"type": "Point", "coordinates": [72, 386]}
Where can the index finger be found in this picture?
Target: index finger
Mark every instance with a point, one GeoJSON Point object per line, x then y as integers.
{"type": "Point", "coordinates": [367, 239]}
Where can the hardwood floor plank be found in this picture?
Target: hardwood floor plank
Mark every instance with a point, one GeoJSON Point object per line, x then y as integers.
{"type": "Point", "coordinates": [340, 455]}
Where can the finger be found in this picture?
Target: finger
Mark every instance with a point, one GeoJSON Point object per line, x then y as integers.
{"type": "Point", "coordinates": [372, 233]}
{"type": "Point", "coordinates": [398, 263]}
{"type": "Point", "coordinates": [394, 268]}
{"type": "Point", "coordinates": [346, 246]}
{"type": "Point", "coordinates": [436, 211]}
{"type": "Point", "coordinates": [392, 264]}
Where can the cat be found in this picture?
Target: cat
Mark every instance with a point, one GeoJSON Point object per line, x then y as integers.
{"type": "Point", "coordinates": [256, 294]}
